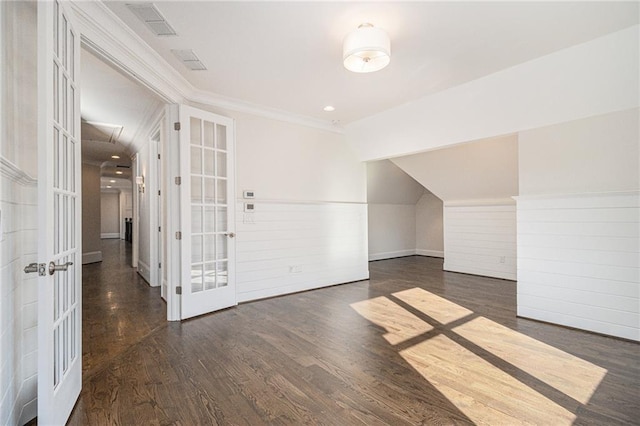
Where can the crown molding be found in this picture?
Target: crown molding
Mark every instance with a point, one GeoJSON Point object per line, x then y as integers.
{"type": "Point", "coordinates": [232, 104]}
{"type": "Point", "coordinates": [108, 37]}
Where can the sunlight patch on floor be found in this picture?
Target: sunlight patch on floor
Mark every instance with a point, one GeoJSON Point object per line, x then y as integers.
{"type": "Point", "coordinates": [483, 392]}
{"type": "Point", "coordinates": [400, 324]}
{"type": "Point", "coordinates": [438, 308]}
{"type": "Point", "coordinates": [448, 357]}
{"type": "Point", "coordinates": [567, 373]}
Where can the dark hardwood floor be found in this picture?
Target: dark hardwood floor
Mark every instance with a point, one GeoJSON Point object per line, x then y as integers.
{"type": "Point", "coordinates": [412, 345]}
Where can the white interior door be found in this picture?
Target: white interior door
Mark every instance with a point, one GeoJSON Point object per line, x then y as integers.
{"type": "Point", "coordinates": [59, 214]}
{"type": "Point", "coordinates": [207, 212]}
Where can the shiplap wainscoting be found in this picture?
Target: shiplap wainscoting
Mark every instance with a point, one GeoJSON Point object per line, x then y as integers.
{"type": "Point", "coordinates": [480, 239]}
{"type": "Point", "coordinates": [578, 261]}
{"type": "Point", "coordinates": [284, 247]}
{"type": "Point", "coordinates": [18, 295]}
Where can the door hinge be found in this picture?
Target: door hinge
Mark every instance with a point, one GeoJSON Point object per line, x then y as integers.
{"type": "Point", "coordinates": [176, 126]}
{"type": "Point", "coordinates": [179, 289]}
{"type": "Point", "coordinates": [158, 156]}
{"type": "Point", "coordinates": [159, 265]}
{"type": "Point", "coordinates": [178, 180]}
{"type": "Point", "coordinates": [159, 228]}
{"type": "Point", "coordinates": [158, 192]}
{"type": "Point", "coordinates": [178, 235]}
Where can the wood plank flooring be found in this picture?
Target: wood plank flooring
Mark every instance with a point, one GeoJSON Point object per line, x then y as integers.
{"type": "Point", "coordinates": [412, 345]}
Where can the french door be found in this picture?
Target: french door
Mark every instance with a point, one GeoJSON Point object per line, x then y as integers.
{"type": "Point", "coordinates": [206, 212]}
{"type": "Point", "coordinates": [59, 214]}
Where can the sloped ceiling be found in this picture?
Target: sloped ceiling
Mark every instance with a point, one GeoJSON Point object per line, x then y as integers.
{"type": "Point", "coordinates": [388, 184]}
{"type": "Point", "coordinates": [480, 170]}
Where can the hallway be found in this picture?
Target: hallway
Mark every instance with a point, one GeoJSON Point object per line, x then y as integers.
{"type": "Point", "coordinates": [412, 345]}
{"type": "Point", "coordinates": [118, 307]}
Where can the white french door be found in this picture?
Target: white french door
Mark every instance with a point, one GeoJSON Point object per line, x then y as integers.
{"type": "Point", "coordinates": [207, 212]}
{"type": "Point", "coordinates": [59, 214]}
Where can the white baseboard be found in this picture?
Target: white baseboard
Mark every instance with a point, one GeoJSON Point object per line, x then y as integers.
{"type": "Point", "coordinates": [430, 253]}
{"type": "Point", "coordinates": [110, 235]}
{"type": "Point", "coordinates": [91, 257]}
{"type": "Point", "coordinates": [391, 254]}
{"type": "Point", "coordinates": [145, 272]}
{"type": "Point", "coordinates": [504, 275]}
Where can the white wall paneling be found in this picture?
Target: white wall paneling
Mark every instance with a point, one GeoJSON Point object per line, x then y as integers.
{"type": "Point", "coordinates": [18, 295]}
{"type": "Point", "coordinates": [284, 247]}
{"type": "Point", "coordinates": [578, 261]}
{"type": "Point", "coordinates": [480, 239]}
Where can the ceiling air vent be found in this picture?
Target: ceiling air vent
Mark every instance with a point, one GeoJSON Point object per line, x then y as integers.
{"type": "Point", "coordinates": [189, 59]}
{"type": "Point", "coordinates": [151, 16]}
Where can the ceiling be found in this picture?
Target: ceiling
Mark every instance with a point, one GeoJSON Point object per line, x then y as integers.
{"type": "Point", "coordinates": [114, 110]}
{"type": "Point", "coordinates": [287, 55]}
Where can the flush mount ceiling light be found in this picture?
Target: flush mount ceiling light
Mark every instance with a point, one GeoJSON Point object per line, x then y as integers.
{"type": "Point", "coordinates": [329, 108]}
{"type": "Point", "coordinates": [366, 49]}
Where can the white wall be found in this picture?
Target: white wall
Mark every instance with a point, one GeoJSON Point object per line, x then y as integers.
{"type": "Point", "coordinates": [109, 214]}
{"type": "Point", "coordinates": [475, 180]}
{"type": "Point", "coordinates": [579, 224]}
{"type": "Point", "coordinates": [391, 196]}
{"type": "Point", "coordinates": [18, 213]}
{"type": "Point", "coordinates": [429, 226]}
{"type": "Point", "coordinates": [91, 244]}
{"type": "Point", "coordinates": [598, 154]}
{"type": "Point", "coordinates": [392, 230]}
{"type": "Point", "coordinates": [309, 228]}
{"type": "Point", "coordinates": [144, 214]}
{"type": "Point", "coordinates": [592, 78]}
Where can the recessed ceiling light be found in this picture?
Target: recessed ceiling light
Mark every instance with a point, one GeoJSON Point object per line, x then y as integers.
{"type": "Point", "coordinates": [108, 186]}
{"type": "Point", "coordinates": [329, 108]}
{"type": "Point", "coordinates": [115, 157]}
{"type": "Point", "coordinates": [118, 172]}
{"type": "Point", "coordinates": [112, 181]}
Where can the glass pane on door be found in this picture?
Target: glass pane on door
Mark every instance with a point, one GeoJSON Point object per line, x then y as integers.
{"type": "Point", "coordinates": [209, 198]}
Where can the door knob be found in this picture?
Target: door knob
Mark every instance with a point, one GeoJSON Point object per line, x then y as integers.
{"type": "Point", "coordinates": [53, 267]}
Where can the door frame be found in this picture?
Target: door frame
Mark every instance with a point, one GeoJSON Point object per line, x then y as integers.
{"type": "Point", "coordinates": [100, 34]}
{"type": "Point", "coordinates": [107, 37]}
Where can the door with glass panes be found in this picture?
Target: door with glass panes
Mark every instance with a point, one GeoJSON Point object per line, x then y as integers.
{"type": "Point", "coordinates": [207, 212]}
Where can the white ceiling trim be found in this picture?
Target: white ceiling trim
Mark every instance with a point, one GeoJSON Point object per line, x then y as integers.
{"type": "Point", "coordinates": [207, 98]}
{"type": "Point", "coordinates": [105, 35]}
{"type": "Point", "coordinates": [148, 127]}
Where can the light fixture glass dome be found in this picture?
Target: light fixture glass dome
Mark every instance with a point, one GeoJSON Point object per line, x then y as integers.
{"type": "Point", "coordinates": [366, 49]}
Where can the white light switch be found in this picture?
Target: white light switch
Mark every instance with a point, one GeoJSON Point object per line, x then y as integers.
{"type": "Point", "coordinates": [247, 193]}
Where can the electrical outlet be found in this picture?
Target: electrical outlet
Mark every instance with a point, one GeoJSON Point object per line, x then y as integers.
{"type": "Point", "coordinates": [502, 259]}
{"type": "Point", "coordinates": [249, 218]}
{"type": "Point", "coordinates": [295, 269]}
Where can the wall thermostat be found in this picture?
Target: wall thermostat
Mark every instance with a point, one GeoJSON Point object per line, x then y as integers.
{"type": "Point", "coordinates": [248, 194]}
{"type": "Point", "coordinates": [249, 207]}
